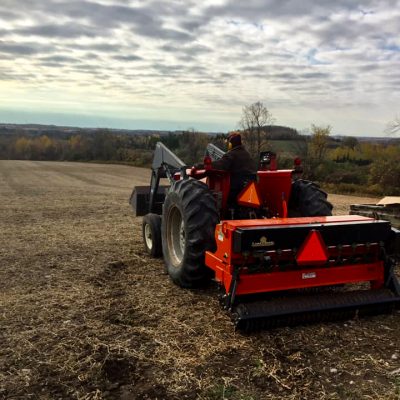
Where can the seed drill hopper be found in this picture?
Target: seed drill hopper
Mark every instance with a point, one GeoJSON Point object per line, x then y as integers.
{"type": "Point", "coordinates": [278, 254]}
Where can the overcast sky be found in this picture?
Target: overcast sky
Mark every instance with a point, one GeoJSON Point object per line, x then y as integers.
{"type": "Point", "coordinates": [179, 64]}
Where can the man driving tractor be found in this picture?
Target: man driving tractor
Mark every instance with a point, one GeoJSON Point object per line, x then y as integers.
{"type": "Point", "coordinates": [239, 163]}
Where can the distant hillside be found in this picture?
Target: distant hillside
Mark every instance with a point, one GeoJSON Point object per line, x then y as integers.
{"type": "Point", "coordinates": [66, 131]}
{"type": "Point", "coordinates": [278, 132]}
{"type": "Point", "coordinates": [275, 132]}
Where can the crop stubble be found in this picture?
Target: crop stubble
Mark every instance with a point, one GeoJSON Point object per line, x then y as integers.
{"type": "Point", "coordinates": [84, 313]}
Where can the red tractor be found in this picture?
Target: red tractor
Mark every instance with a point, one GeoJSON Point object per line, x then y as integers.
{"type": "Point", "coordinates": [279, 255]}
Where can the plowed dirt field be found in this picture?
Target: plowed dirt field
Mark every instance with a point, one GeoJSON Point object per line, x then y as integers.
{"type": "Point", "coordinates": [86, 314]}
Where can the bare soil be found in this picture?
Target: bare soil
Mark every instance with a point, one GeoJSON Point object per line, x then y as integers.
{"type": "Point", "coordinates": [85, 314]}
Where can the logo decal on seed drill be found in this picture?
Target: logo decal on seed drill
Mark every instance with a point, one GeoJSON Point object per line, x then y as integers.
{"type": "Point", "coordinates": [263, 242]}
{"type": "Point", "coordinates": [309, 275]}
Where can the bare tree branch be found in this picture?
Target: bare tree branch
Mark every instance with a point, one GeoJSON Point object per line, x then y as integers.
{"type": "Point", "coordinates": [255, 118]}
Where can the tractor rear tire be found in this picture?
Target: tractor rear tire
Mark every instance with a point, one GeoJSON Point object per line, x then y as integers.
{"type": "Point", "coordinates": [308, 200]}
{"type": "Point", "coordinates": [151, 232]}
{"type": "Point", "coordinates": [187, 231]}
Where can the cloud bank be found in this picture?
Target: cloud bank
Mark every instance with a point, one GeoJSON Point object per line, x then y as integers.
{"type": "Point", "coordinates": [198, 63]}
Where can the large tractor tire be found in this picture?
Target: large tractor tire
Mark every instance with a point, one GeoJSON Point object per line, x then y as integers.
{"type": "Point", "coordinates": [308, 200]}
{"type": "Point", "coordinates": [151, 232]}
{"type": "Point", "coordinates": [187, 231]}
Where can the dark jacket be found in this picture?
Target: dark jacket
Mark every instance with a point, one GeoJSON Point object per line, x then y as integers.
{"type": "Point", "coordinates": [239, 163]}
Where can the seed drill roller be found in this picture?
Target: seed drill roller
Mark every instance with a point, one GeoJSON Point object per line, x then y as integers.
{"type": "Point", "coordinates": [278, 254]}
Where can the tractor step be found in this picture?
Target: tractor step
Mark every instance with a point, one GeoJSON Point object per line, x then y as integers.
{"type": "Point", "coordinates": [313, 308]}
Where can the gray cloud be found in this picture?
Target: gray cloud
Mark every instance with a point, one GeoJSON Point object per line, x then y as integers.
{"type": "Point", "coordinates": [99, 47]}
{"type": "Point", "coordinates": [8, 15]}
{"type": "Point", "coordinates": [24, 49]}
{"type": "Point", "coordinates": [67, 30]}
{"type": "Point", "coordinates": [169, 70]}
{"type": "Point", "coordinates": [256, 10]}
{"type": "Point", "coordinates": [13, 76]}
{"type": "Point", "coordinates": [155, 31]}
{"type": "Point", "coordinates": [235, 41]}
{"type": "Point", "coordinates": [87, 14]}
{"type": "Point", "coordinates": [86, 67]}
{"type": "Point", "coordinates": [59, 58]}
{"type": "Point", "coordinates": [189, 51]}
{"type": "Point", "coordinates": [127, 58]}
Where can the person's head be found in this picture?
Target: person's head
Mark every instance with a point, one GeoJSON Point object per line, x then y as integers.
{"type": "Point", "coordinates": [234, 139]}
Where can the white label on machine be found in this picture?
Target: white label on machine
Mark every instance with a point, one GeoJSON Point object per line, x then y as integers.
{"type": "Point", "coordinates": [309, 275]}
{"type": "Point", "coordinates": [220, 236]}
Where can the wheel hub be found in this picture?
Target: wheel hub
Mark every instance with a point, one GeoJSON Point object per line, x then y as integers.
{"type": "Point", "coordinates": [176, 235]}
{"type": "Point", "coordinates": [182, 237]}
{"type": "Point", "coordinates": [148, 236]}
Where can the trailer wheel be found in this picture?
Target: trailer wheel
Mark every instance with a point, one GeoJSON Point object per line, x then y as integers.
{"type": "Point", "coordinates": [151, 231]}
{"type": "Point", "coordinates": [187, 230]}
{"type": "Point", "coordinates": [308, 200]}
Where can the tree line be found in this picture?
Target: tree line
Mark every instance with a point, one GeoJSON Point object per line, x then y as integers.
{"type": "Point", "coordinates": [106, 145]}
{"type": "Point", "coordinates": [341, 165]}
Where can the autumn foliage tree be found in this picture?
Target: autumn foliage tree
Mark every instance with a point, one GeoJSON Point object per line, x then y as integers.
{"type": "Point", "coordinates": [319, 142]}
{"type": "Point", "coordinates": [385, 170]}
{"type": "Point", "coordinates": [23, 148]}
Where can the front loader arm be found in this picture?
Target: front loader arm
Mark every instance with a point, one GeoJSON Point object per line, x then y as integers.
{"type": "Point", "coordinates": [165, 164]}
{"type": "Point", "coordinates": [214, 152]}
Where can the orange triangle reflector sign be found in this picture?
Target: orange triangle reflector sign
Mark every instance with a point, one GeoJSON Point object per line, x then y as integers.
{"type": "Point", "coordinates": [249, 196]}
{"type": "Point", "coordinates": [313, 250]}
